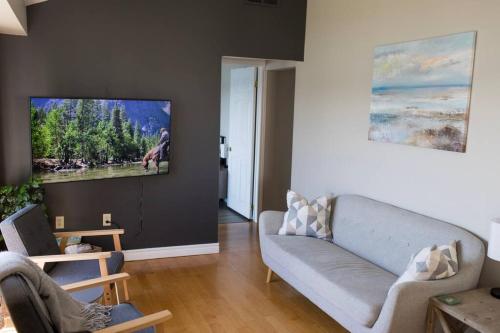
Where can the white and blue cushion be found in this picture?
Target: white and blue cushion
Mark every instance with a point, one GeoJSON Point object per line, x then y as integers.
{"type": "Point", "coordinates": [307, 219]}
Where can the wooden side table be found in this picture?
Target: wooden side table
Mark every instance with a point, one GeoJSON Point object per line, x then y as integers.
{"type": "Point", "coordinates": [477, 309]}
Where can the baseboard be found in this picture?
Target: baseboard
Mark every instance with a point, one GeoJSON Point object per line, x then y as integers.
{"type": "Point", "coordinates": [171, 251]}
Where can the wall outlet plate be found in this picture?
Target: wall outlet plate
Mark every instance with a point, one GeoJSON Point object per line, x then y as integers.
{"type": "Point", "coordinates": [106, 220]}
{"type": "Point", "coordinates": [59, 222]}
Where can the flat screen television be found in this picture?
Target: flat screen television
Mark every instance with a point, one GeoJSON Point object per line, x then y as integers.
{"type": "Point", "coordinates": [75, 139]}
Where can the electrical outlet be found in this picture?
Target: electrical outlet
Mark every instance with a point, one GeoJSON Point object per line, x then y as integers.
{"type": "Point", "coordinates": [59, 222]}
{"type": "Point", "coordinates": [106, 220]}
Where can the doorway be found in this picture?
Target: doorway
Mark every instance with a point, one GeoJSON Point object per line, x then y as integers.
{"type": "Point", "coordinates": [240, 105]}
{"type": "Point", "coordinates": [257, 98]}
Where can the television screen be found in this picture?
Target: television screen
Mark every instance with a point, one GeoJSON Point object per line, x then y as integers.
{"type": "Point", "coordinates": [80, 139]}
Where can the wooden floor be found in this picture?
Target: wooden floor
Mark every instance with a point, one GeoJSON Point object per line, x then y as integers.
{"type": "Point", "coordinates": [226, 215]}
{"type": "Point", "coordinates": [224, 292]}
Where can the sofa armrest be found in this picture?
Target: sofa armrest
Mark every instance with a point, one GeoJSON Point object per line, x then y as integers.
{"type": "Point", "coordinates": [270, 222]}
{"type": "Point", "coordinates": [407, 302]}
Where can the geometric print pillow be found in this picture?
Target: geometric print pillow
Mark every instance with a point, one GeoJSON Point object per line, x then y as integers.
{"type": "Point", "coordinates": [307, 219]}
{"type": "Point", "coordinates": [434, 263]}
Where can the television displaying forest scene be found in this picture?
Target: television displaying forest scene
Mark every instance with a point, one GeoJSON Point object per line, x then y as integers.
{"type": "Point", "coordinates": [81, 139]}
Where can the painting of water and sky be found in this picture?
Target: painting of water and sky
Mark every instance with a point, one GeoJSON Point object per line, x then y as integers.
{"type": "Point", "coordinates": [421, 92]}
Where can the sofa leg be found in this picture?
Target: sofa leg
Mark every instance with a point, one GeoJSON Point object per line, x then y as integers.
{"type": "Point", "coordinates": [269, 275]}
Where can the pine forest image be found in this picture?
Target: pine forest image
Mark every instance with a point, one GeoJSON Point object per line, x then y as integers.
{"type": "Point", "coordinates": [81, 139]}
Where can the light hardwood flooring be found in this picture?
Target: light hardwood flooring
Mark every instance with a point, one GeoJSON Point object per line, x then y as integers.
{"type": "Point", "coordinates": [224, 292]}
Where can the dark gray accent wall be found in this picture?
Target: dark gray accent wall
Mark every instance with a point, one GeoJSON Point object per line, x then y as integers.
{"type": "Point", "coordinates": [157, 49]}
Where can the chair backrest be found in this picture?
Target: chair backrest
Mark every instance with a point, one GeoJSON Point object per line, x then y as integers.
{"type": "Point", "coordinates": [28, 232]}
{"type": "Point", "coordinates": [23, 306]}
{"type": "Point", "coordinates": [388, 236]}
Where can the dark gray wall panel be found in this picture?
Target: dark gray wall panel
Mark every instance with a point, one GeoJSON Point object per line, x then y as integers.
{"type": "Point", "coordinates": [277, 168]}
{"type": "Point", "coordinates": [156, 49]}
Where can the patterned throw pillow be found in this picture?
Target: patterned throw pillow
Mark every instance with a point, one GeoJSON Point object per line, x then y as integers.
{"type": "Point", "coordinates": [307, 219]}
{"type": "Point", "coordinates": [433, 263]}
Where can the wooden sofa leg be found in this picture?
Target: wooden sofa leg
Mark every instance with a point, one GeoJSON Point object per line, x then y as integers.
{"type": "Point", "coordinates": [269, 275]}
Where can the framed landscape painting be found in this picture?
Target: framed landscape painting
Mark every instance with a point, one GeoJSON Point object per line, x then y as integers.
{"type": "Point", "coordinates": [421, 92]}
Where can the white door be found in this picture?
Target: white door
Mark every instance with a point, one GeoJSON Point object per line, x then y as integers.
{"type": "Point", "coordinates": [241, 139]}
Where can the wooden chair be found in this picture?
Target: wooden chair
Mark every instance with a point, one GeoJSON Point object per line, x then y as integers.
{"type": "Point", "coordinates": [28, 232]}
{"type": "Point", "coordinates": [24, 307]}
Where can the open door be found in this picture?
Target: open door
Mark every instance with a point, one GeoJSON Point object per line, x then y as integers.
{"type": "Point", "coordinates": [242, 108]}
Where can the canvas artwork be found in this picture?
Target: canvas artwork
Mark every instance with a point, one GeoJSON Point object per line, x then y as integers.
{"type": "Point", "coordinates": [82, 139]}
{"type": "Point", "coordinates": [421, 92]}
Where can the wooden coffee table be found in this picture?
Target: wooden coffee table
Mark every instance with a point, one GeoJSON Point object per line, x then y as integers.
{"type": "Point", "coordinates": [477, 309]}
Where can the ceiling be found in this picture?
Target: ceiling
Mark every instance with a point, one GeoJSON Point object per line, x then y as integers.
{"type": "Point", "coordinates": [32, 2]}
{"type": "Point", "coordinates": [13, 19]}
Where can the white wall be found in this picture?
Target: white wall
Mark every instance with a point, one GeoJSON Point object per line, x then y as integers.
{"type": "Point", "coordinates": [331, 152]}
{"type": "Point", "coordinates": [13, 17]}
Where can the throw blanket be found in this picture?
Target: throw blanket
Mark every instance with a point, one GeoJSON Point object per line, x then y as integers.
{"type": "Point", "coordinates": [64, 313]}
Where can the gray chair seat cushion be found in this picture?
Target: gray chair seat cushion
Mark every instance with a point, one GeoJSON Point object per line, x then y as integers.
{"type": "Point", "coordinates": [75, 271]}
{"type": "Point", "coordinates": [356, 286]}
{"type": "Point", "coordinates": [125, 312]}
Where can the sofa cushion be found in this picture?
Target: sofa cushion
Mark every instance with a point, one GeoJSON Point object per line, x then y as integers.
{"type": "Point", "coordinates": [433, 263]}
{"type": "Point", "coordinates": [307, 219]}
{"type": "Point", "coordinates": [354, 285]}
{"type": "Point", "coordinates": [74, 271]}
{"type": "Point", "coordinates": [389, 236]}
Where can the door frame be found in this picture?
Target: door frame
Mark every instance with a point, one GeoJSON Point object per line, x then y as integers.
{"type": "Point", "coordinates": [263, 66]}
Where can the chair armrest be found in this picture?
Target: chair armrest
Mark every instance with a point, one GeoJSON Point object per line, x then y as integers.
{"type": "Point", "coordinates": [139, 323]}
{"type": "Point", "coordinates": [70, 257]}
{"type": "Point", "coordinates": [88, 233]}
{"type": "Point", "coordinates": [270, 222]}
{"type": "Point", "coordinates": [103, 280]}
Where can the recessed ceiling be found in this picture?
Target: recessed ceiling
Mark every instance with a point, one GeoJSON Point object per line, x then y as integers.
{"type": "Point", "coordinates": [32, 2]}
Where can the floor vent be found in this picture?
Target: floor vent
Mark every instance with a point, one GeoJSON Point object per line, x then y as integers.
{"type": "Point", "coordinates": [267, 3]}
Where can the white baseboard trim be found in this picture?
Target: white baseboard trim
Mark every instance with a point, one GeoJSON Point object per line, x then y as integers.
{"type": "Point", "coordinates": [171, 251]}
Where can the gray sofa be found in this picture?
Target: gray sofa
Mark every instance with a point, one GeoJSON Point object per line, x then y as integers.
{"type": "Point", "coordinates": [353, 278]}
